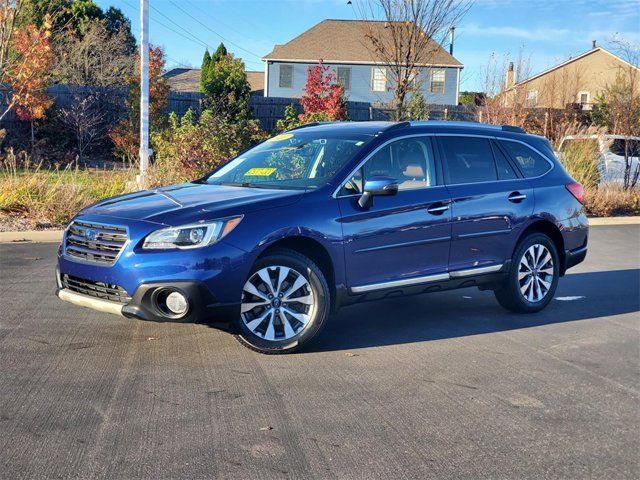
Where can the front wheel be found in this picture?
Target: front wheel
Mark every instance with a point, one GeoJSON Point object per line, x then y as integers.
{"type": "Point", "coordinates": [285, 303]}
{"type": "Point", "coordinates": [533, 276]}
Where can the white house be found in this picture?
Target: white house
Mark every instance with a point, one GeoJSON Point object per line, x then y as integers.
{"type": "Point", "coordinates": [342, 45]}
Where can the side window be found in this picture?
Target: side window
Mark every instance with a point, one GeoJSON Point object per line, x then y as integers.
{"type": "Point", "coordinates": [505, 170]}
{"type": "Point", "coordinates": [468, 160]}
{"type": "Point", "coordinates": [531, 163]}
{"type": "Point", "coordinates": [410, 161]}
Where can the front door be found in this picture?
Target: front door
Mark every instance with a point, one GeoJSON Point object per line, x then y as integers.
{"type": "Point", "coordinates": [402, 239]}
{"type": "Point", "coordinates": [490, 200]}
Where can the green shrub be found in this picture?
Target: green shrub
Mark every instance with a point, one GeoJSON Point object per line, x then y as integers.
{"type": "Point", "coordinates": [188, 149]}
{"type": "Point", "coordinates": [418, 108]}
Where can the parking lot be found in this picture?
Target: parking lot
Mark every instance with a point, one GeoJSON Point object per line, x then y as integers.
{"type": "Point", "coordinates": [445, 385]}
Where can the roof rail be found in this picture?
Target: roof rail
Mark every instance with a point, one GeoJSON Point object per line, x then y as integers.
{"type": "Point", "coordinates": [395, 126]}
{"type": "Point", "coordinates": [512, 128]}
{"type": "Point", "coordinates": [312, 124]}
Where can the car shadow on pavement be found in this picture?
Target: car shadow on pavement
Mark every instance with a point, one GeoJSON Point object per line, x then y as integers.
{"type": "Point", "coordinates": [460, 313]}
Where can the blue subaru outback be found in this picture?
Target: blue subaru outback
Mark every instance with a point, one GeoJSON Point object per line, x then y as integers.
{"type": "Point", "coordinates": [326, 215]}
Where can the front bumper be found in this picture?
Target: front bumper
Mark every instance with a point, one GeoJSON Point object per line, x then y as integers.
{"type": "Point", "coordinates": [211, 278]}
{"type": "Point", "coordinates": [202, 306]}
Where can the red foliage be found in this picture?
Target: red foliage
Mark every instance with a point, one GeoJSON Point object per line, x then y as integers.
{"type": "Point", "coordinates": [323, 95]}
{"type": "Point", "coordinates": [29, 76]}
{"type": "Point", "coordinates": [126, 134]}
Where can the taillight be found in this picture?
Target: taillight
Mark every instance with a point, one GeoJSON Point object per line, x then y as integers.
{"type": "Point", "coordinates": [577, 190]}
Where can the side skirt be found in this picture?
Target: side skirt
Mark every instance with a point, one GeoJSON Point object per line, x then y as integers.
{"type": "Point", "coordinates": [485, 278]}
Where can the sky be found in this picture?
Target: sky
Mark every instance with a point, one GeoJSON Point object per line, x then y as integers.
{"type": "Point", "coordinates": [544, 33]}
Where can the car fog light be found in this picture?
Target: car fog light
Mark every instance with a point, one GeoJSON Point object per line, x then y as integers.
{"type": "Point", "coordinates": [176, 303]}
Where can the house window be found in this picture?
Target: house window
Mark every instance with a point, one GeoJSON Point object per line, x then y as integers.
{"type": "Point", "coordinates": [531, 99]}
{"type": "Point", "coordinates": [437, 81]}
{"type": "Point", "coordinates": [286, 76]}
{"type": "Point", "coordinates": [584, 99]}
{"type": "Point", "coordinates": [379, 79]}
{"type": "Point", "coordinates": [344, 77]}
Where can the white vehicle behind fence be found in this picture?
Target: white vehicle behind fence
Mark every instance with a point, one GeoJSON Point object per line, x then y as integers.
{"type": "Point", "coordinates": [611, 157]}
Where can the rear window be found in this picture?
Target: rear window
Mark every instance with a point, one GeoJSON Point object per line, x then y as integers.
{"type": "Point", "coordinates": [530, 162]}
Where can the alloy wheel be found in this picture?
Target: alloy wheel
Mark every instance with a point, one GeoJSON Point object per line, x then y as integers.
{"type": "Point", "coordinates": [277, 303]}
{"type": "Point", "coordinates": [535, 273]}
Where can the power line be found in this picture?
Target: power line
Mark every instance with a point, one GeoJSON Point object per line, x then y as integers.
{"type": "Point", "coordinates": [189, 36]}
{"type": "Point", "coordinates": [214, 32]}
{"type": "Point", "coordinates": [220, 21]}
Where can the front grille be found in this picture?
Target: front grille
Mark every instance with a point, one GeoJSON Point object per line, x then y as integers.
{"type": "Point", "coordinates": [105, 291]}
{"type": "Point", "coordinates": [94, 242]}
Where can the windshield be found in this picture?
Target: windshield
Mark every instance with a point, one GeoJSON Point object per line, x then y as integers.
{"type": "Point", "coordinates": [291, 160]}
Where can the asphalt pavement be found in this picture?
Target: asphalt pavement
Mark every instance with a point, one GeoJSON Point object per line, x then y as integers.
{"type": "Point", "coordinates": [446, 385]}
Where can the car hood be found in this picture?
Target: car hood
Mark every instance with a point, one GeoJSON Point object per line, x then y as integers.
{"type": "Point", "coordinates": [190, 202]}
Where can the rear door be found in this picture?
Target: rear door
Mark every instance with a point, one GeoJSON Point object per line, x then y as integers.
{"type": "Point", "coordinates": [490, 200]}
{"type": "Point", "coordinates": [400, 238]}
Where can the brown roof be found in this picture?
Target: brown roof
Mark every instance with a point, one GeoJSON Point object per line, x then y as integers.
{"type": "Point", "coordinates": [344, 41]}
{"type": "Point", "coordinates": [188, 80]}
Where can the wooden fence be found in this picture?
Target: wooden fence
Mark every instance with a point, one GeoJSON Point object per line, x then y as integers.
{"type": "Point", "coordinates": [269, 110]}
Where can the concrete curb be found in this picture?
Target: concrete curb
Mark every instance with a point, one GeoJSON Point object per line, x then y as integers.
{"type": "Point", "coordinates": [45, 236]}
{"type": "Point", "coordinates": [601, 221]}
{"type": "Point", "coordinates": [36, 236]}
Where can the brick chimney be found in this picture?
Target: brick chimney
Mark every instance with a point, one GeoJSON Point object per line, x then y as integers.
{"type": "Point", "coordinates": [510, 77]}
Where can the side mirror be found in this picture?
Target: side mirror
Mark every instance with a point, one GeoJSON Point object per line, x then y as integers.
{"type": "Point", "coordinates": [377, 186]}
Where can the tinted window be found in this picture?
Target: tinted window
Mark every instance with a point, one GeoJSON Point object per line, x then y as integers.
{"type": "Point", "coordinates": [468, 159]}
{"type": "Point", "coordinates": [531, 163]}
{"type": "Point", "coordinates": [619, 145]}
{"type": "Point", "coordinates": [410, 161]}
{"type": "Point", "coordinates": [505, 170]}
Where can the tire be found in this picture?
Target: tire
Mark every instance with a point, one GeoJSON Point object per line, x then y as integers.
{"type": "Point", "coordinates": [529, 286]}
{"type": "Point", "coordinates": [288, 314]}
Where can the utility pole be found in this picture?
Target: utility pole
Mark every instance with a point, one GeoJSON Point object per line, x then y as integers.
{"type": "Point", "coordinates": [144, 94]}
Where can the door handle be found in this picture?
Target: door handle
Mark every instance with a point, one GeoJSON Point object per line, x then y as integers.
{"type": "Point", "coordinates": [517, 197]}
{"type": "Point", "coordinates": [437, 209]}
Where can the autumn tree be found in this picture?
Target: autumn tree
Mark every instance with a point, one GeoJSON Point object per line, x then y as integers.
{"type": "Point", "coordinates": [323, 97]}
{"type": "Point", "coordinates": [26, 59]}
{"type": "Point", "coordinates": [407, 38]}
{"type": "Point", "coordinates": [126, 134]}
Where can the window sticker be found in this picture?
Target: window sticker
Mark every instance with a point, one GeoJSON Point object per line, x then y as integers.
{"type": "Point", "coordinates": [281, 137]}
{"type": "Point", "coordinates": [259, 172]}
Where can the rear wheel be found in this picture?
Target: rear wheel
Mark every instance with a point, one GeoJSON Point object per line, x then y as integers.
{"type": "Point", "coordinates": [285, 303]}
{"type": "Point", "coordinates": [533, 276]}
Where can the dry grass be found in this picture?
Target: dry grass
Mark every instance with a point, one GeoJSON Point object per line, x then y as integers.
{"type": "Point", "coordinates": [612, 201]}
{"type": "Point", "coordinates": [52, 197]}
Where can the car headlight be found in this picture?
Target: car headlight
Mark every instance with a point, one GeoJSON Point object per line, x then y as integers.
{"type": "Point", "coordinates": [195, 235]}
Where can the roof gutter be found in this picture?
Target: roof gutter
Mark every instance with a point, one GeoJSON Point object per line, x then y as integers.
{"type": "Point", "coordinates": [355, 62]}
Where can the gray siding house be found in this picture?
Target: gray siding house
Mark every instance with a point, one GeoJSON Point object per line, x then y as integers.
{"type": "Point", "coordinates": [342, 46]}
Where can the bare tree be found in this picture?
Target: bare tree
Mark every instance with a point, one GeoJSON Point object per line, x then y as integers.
{"type": "Point", "coordinates": [409, 37]}
{"type": "Point", "coordinates": [504, 102]}
{"type": "Point", "coordinates": [619, 106]}
{"type": "Point", "coordinates": [98, 57]}
{"type": "Point", "coordinates": [86, 120]}
{"type": "Point", "coordinates": [9, 10]}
